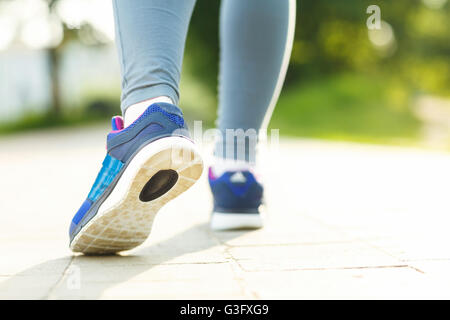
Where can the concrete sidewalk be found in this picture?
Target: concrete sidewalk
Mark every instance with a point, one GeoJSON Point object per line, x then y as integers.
{"type": "Point", "coordinates": [344, 221]}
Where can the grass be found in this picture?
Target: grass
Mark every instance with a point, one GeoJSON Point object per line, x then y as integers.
{"type": "Point", "coordinates": [42, 120]}
{"type": "Point", "coordinates": [348, 107]}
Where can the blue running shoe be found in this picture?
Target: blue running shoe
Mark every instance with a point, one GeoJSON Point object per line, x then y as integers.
{"type": "Point", "coordinates": [237, 200]}
{"type": "Point", "coordinates": [148, 163]}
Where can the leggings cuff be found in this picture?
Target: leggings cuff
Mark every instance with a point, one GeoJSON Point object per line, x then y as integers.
{"type": "Point", "coordinates": [149, 92]}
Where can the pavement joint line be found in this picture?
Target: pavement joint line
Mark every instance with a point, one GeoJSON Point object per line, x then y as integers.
{"type": "Point", "coordinates": [292, 244]}
{"type": "Point", "coordinates": [238, 272]}
{"type": "Point", "coordinates": [60, 279]}
{"type": "Point", "coordinates": [227, 248]}
{"type": "Point", "coordinates": [236, 267]}
{"type": "Point", "coordinates": [374, 246]}
{"type": "Point", "coordinates": [159, 264]}
{"type": "Point", "coordinates": [417, 269]}
{"type": "Point", "coordinates": [332, 268]}
{"type": "Point", "coordinates": [392, 255]}
{"type": "Point", "coordinates": [184, 263]}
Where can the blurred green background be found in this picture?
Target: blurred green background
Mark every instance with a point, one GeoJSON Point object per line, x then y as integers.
{"type": "Point", "coordinates": [345, 82]}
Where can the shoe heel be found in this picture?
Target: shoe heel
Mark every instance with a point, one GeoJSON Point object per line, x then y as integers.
{"type": "Point", "coordinates": [158, 173]}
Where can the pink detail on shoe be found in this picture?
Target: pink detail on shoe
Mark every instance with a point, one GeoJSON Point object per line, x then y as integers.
{"type": "Point", "coordinates": [211, 174]}
{"type": "Point", "coordinates": [119, 122]}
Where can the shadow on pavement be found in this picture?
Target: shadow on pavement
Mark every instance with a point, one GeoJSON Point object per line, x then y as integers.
{"type": "Point", "coordinates": [98, 273]}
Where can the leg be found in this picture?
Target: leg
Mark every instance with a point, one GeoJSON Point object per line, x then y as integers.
{"type": "Point", "coordinates": [256, 39]}
{"type": "Point", "coordinates": [150, 37]}
{"type": "Point", "coordinates": [152, 160]}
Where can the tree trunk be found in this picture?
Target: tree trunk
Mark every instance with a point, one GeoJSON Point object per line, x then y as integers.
{"type": "Point", "coordinates": [54, 79]}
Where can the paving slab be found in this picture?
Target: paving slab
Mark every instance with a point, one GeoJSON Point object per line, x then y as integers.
{"type": "Point", "coordinates": [344, 220]}
{"type": "Point", "coordinates": [357, 283]}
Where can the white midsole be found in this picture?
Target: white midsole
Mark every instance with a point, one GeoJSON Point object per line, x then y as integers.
{"type": "Point", "coordinates": [122, 186]}
{"type": "Point", "coordinates": [229, 221]}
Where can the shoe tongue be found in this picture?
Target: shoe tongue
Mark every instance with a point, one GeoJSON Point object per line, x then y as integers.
{"type": "Point", "coordinates": [117, 123]}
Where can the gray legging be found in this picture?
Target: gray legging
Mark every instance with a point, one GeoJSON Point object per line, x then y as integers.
{"type": "Point", "coordinates": [255, 40]}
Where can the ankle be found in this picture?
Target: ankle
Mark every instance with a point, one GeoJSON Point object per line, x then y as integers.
{"type": "Point", "coordinates": [221, 165]}
{"type": "Point", "coordinates": [134, 111]}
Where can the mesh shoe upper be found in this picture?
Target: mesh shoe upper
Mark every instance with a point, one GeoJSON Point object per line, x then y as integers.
{"type": "Point", "coordinates": [158, 121]}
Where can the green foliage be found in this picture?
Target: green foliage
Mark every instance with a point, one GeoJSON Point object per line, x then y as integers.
{"type": "Point", "coordinates": [347, 107]}
{"type": "Point", "coordinates": [95, 110]}
{"type": "Point", "coordinates": [332, 37]}
{"type": "Point", "coordinates": [339, 85]}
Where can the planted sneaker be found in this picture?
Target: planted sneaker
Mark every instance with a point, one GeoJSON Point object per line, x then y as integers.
{"type": "Point", "coordinates": [147, 164]}
{"type": "Point", "coordinates": [237, 200]}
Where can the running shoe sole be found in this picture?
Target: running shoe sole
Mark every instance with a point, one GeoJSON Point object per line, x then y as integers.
{"type": "Point", "coordinates": [158, 173]}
